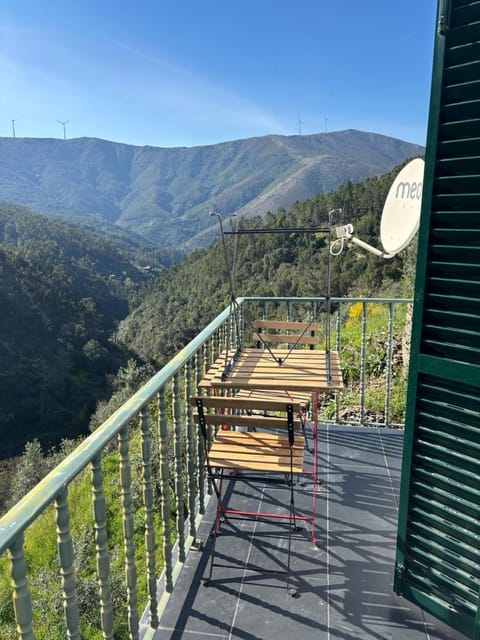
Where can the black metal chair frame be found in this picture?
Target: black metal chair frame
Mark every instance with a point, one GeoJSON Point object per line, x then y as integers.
{"type": "Point", "coordinates": [217, 476]}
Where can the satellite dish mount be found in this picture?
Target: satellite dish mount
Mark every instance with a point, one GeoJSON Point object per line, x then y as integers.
{"type": "Point", "coordinates": [400, 217]}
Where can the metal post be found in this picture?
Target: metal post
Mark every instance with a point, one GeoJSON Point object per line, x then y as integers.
{"type": "Point", "coordinates": [363, 369]}
{"type": "Point", "coordinates": [389, 364]}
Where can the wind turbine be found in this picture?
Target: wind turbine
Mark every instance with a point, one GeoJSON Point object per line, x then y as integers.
{"type": "Point", "coordinates": [63, 125]}
{"type": "Point", "coordinates": [13, 127]}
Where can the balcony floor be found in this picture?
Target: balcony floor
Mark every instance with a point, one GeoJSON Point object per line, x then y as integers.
{"type": "Point", "coordinates": [345, 583]}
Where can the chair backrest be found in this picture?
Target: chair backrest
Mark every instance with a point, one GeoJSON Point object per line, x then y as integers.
{"type": "Point", "coordinates": [280, 332]}
{"type": "Point", "coordinates": [255, 444]}
{"type": "Point", "coordinates": [258, 413]}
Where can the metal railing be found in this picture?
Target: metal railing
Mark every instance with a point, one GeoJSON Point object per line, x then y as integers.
{"type": "Point", "coordinates": [174, 492]}
{"type": "Point", "coordinates": [372, 337]}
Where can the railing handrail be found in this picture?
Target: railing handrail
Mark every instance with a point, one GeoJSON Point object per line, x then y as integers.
{"type": "Point", "coordinates": [20, 516]}
{"type": "Point", "coordinates": [323, 298]}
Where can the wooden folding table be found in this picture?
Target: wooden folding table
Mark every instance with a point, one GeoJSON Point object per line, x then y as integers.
{"type": "Point", "coordinates": [299, 370]}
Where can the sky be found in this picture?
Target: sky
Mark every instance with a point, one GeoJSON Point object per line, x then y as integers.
{"type": "Point", "coordinates": [200, 72]}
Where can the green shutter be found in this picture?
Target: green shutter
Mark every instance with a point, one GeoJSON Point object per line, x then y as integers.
{"type": "Point", "coordinates": [438, 549]}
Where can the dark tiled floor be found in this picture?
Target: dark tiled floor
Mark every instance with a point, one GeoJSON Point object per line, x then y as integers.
{"type": "Point", "coordinates": [344, 583]}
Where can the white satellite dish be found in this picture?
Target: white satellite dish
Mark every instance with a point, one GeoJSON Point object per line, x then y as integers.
{"type": "Point", "coordinates": [401, 211]}
{"type": "Point", "coordinates": [400, 217]}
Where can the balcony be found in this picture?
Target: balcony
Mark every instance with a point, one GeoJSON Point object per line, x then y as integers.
{"type": "Point", "coordinates": [164, 512]}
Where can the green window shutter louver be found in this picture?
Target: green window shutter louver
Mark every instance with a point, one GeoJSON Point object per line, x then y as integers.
{"type": "Point", "coordinates": [438, 548]}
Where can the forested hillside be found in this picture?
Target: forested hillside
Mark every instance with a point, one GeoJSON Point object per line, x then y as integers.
{"type": "Point", "coordinates": [63, 290]}
{"type": "Point", "coordinates": [75, 307]}
{"type": "Point", "coordinates": [187, 297]}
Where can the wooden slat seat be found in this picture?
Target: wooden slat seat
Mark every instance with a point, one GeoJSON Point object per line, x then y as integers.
{"type": "Point", "coordinates": [206, 381]}
{"type": "Point", "coordinates": [262, 452]}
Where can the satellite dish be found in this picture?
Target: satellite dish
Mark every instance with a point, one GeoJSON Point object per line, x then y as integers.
{"type": "Point", "coordinates": [401, 211]}
{"type": "Point", "coordinates": [400, 217]}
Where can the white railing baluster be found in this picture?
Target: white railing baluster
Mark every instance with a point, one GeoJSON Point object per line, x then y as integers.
{"type": "Point", "coordinates": [22, 601]}
{"type": "Point", "coordinates": [178, 449]}
{"type": "Point", "coordinates": [128, 532]}
{"type": "Point", "coordinates": [199, 448]}
{"type": "Point", "coordinates": [101, 547]}
{"type": "Point", "coordinates": [148, 503]}
{"type": "Point", "coordinates": [65, 555]}
{"type": "Point", "coordinates": [165, 489]}
{"type": "Point", "coordinates": [192, 471]}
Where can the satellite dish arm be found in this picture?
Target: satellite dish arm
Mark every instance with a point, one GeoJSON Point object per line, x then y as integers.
{"type": "Point", "coordinates": [345, 233]}
{"type": "Point", "coordinates": [400, 217]}
{"type": "Point", "coordinates": [368, 247]}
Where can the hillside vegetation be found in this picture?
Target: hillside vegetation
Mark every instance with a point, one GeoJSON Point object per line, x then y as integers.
{"type": "Point", "coordinates": [188, 296]}
{"type": "Point", "coordinates": [41, 552]}
{"type": "Point", "coordinates": [76, 307]}
{"type": "Point", "coordinates": [63, 290]}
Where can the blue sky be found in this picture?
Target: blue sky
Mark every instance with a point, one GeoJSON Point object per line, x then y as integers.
{"type": "Point", "coordinates": [192, 72]}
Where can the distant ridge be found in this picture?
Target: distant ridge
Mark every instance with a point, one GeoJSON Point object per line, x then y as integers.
{"type": "Point", "coordinates": [165, 194]}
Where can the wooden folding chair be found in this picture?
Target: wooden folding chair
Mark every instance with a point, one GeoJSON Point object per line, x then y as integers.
{"type": "Point", "coordinates": [304, 402]}
{"type": "Point", "coordinates": [253, 440]}
{"type": "Point", "coordinates": [288, 335]}
{"type": "Point", "coordinates": [301, 399]}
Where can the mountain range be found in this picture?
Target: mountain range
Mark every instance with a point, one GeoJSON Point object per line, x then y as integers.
{"type": "Point", "coordinates": [165, 194]}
